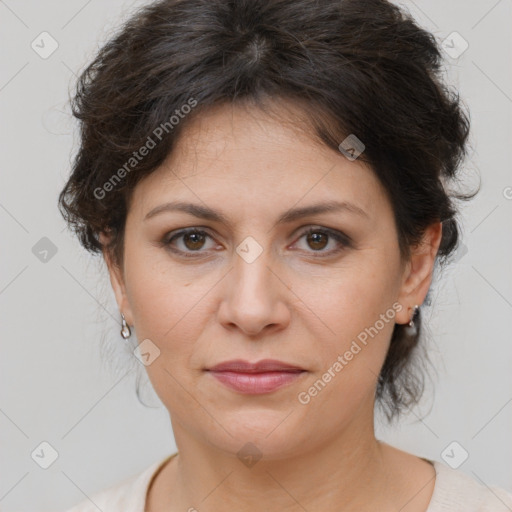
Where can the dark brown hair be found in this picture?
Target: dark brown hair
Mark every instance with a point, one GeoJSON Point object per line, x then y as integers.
{"type": "Point", "coordinates": [360, 67]}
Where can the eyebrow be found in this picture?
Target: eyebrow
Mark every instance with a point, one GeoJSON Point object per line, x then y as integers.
{"type": "Point", "coordinates": [204, 212]}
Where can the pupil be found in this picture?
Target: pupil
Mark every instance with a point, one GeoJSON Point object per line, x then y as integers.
{"type": "Point", "coordinates": [317, 237]}
{"type": "Point", "coordinates": [196, 244]}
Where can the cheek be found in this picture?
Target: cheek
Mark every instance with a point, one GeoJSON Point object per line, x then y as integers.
{"type": "Point", "coordinates": [165, 302]}
{"type": "Point", "coordinates": [166, 307]}
{"type": "Point", "coordinates": [354, 312]}
{"type": "Point", "coordinates": [157, 291]}
{"type": "Point", "coordinates": [351, 360]}
{"type": "Point", "coordinates": [349, 300]}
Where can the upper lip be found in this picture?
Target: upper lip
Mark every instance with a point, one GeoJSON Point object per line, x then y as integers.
{"type": "Point", "coordinates": [265, 365]}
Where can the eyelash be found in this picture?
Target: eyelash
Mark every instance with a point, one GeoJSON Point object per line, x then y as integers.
{"type": "Point", "coordinates": [339, 237]}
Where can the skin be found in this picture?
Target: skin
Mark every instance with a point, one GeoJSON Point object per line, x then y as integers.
{"type": "Point", "coordinates": [298, 302]}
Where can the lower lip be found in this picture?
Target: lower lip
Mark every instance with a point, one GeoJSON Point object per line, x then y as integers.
{"type": "Point", "coordinates": [256, 383]}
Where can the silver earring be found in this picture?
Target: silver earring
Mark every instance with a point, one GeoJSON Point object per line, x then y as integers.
{"type": "Point", "coordinates": [411, 322]}
{"type": "Point", "coordinates": [411, 328]}
{"type": "Point", "coordinates": [125, 330]}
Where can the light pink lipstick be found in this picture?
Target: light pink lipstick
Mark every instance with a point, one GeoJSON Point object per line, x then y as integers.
{"type": "Point", "coordinates": [257, 378]}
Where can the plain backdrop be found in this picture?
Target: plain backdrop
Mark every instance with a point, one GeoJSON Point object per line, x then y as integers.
{"type": "Point", "coordinates": [60, 322]}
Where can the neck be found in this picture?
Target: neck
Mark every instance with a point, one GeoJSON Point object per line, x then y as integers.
{"type": "Point", "coordinates": [348, 470]}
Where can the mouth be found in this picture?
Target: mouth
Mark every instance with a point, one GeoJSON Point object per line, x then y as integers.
{"type": "Point", "coordinates": [261, 377]}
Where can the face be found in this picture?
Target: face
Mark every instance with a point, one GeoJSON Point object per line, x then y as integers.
{"type": "Point", "coordinates": [320, 290]}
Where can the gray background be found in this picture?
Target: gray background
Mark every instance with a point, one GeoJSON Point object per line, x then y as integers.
{"type": "Point", "coordinates": [60, 321]}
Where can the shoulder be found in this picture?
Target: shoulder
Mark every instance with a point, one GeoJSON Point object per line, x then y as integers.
{"type": "Point", "coordinates": [129, 495]}
{"type": "Point", "coordinates": [457, 491]}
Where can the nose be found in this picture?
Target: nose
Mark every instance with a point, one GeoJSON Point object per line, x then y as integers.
{"type": "Point", "coordinates": [254, 297]}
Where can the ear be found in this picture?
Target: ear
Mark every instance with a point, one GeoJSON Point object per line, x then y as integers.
{"type": "Point", "coordinates": [116, 280]}
{"type": "Point", "coordinates": [418, 272]}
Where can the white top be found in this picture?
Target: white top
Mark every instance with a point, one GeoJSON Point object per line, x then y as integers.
{"type": "Point", "coordinates": [454, 491]}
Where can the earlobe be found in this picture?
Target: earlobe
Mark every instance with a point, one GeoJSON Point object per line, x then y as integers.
{"type": "Point", "coordinates": [116, 280]}
{"type": "Point", "coordinates": [418, 273]}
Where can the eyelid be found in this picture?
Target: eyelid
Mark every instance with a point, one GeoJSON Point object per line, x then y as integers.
{"type": "Point", "coordinates": [302, 231]}
{"type": "Point", "coordinates": [183, 231]}
{"type": "Point", "coordinates": [335, 233]}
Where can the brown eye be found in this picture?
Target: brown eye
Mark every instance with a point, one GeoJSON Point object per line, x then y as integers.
{"type": "Point", "coordinates": [194, 240]}
{"type": "Point", "coordinates": [189, 243]}
{"type": "Point", "coordinates": [317, 240]}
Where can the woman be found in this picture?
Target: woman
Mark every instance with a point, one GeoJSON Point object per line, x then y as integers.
{"type": "Point", "coordinates": [266, 182]}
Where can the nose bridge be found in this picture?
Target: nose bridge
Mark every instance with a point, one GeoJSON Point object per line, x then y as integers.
{"type": "Point", "coordinates": [252, 299]}
{"type": "Point", "coordinates": [251, 273]}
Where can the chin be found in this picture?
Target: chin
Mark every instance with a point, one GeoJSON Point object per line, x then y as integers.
{"type": "Point", "coordinates": [272, 433]}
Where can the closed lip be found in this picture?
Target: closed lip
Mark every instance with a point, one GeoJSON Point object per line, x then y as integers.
{"type": "Point", "coordinates": [265, 365]}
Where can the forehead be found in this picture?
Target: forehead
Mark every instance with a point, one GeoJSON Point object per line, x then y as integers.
{"type": "Point", "coordinates": [231, 156]}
